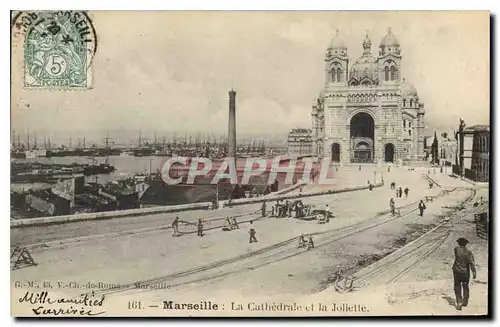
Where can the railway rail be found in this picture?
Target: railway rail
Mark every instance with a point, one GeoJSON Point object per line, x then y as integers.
{"type": "Point", "coordinates": [274, 253]}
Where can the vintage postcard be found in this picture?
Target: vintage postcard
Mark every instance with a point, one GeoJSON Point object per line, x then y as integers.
{"type": "Point", "coordinates": [250, 164]}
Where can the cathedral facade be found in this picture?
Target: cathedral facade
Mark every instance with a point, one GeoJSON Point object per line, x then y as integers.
{"type": "Point", "coordinates": [367, 112]}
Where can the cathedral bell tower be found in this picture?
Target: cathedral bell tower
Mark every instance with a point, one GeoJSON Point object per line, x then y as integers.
{"type": "Point", "coordinates": [389, 59]}
{"type": "Point", "coordinates": [336, 62]}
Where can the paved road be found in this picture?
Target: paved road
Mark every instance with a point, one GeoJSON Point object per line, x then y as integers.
{"type": "Point", "coordinates": [126, 252]}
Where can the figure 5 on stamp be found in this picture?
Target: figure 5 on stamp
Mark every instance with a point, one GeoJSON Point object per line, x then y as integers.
{"type": "Point", "coordinates": [58, 48]}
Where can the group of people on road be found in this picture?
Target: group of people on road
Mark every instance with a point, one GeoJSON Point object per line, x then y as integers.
{"type": "Point", "coordinates": [288, 209]}
{"type": "Point", "coordinates": [230, 224]}
{"type": "Point", "coordinates": [421, 207]}
{"type": "Point", "coordinates": [400, 191]}
{"type": "Point", "coordinates": [175, 226]}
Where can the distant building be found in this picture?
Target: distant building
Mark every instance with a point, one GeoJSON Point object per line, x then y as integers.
{"type": "Point", "coordinates": [300, 142]}
{"type": "Point", "coordinates": [448, 147]}
{"type": "Point", "coordinates": [476, 153]}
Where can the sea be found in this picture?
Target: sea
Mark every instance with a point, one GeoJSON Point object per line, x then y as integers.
{"type": "Point", "coordinates": [126, 166]}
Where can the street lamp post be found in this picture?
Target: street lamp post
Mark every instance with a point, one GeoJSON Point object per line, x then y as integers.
{"type": "Point", "coordinates": [217, 196]}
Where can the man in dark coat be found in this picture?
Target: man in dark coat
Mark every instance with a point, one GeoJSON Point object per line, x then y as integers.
{"type": "Point", "coordinates": [464, 263]}
{"type": "Point", "coordinates": [252, 233]}
{"type": "Point", "coordinates": [392, 205]}
{"type": "Point", "coordinates": [175, 226]}
{"type": "Point", "coordinates": [406, 192]}
{"type": "Point", "coordinates": [421, 207]}
{"type": "Point", "coordinates": [263, 209]}
{"type": "Point", "coordinates": [200, 227]}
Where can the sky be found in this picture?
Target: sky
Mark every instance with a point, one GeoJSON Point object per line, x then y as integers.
{"type": "Point", "coordinates": [170, 72]}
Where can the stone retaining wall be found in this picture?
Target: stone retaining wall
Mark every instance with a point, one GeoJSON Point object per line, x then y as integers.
{"type": "Point", "coordinates": [275, 196]}
{"type": "Point", "coordinates": [16, 223]}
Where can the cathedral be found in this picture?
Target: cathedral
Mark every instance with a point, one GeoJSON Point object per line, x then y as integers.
{"type": "Point", "coordinates": [367, 111]}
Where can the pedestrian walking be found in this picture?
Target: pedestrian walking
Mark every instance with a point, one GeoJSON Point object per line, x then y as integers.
{"type": "Point", "coordinates": [400, 192]}
{"type": "Point", "coordinates": [406, 192]}
{"type": "Point", "coordinates": [393, 185]}
{"type": "Point", "coordinates": [389, 169]}
{"type": "Point", "coordinates": [370, 186]}
{"type": "Point", "coordinates": [252, 233]}
{"type": "Point", "coordinates": [359, 168]}
{"type": "Point", "coordinates": [392, 205]}
{"type": "Point", "coordinates": [200, 227]}
{"type": "Point", "coordinates": [263, 209]}
{"type": "Point", "coordinates": [175, 226]}
{"type": "Point", "coordinates": [235, 223]}
{"type": "Point", "coordinates": [302, 241]}
{"type": "Point", "coordinates": [464, 263]}
{"type": "Point", "coordinates": [311, 243]}
{"type": "Point", "coordinates": [421, 207]}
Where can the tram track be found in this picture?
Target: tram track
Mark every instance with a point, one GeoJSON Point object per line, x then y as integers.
{"type": "Point", "coordinates": [400, 262]}
{"type": "Point", "coordinates": [255, 259]}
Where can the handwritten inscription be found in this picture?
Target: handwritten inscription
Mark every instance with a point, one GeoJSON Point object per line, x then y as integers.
{"type": "Point", "coordinates": [44, 304]}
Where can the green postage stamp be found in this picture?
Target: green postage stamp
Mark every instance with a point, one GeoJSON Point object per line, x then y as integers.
{"type": "Point", "coordinates": [58, 48]}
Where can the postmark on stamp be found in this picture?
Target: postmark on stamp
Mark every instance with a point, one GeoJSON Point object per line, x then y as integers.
{"type": "Point", "coordinates": [58, 48]}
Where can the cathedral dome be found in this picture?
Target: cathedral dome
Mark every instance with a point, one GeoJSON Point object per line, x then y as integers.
{"type": "Point", "coordinates": [407, 89]}
{"type": "Point", "coordinates": [337, 43]}
{"type": "Point", "coordinates": [364, 67]}
{"type": "Point", "coordinates": [389, 40]}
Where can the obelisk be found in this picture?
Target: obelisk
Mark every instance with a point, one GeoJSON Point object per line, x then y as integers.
{"type": "Point", "coordinates": [232, 125]}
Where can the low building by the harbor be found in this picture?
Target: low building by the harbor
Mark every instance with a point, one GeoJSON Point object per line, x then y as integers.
{"type": "Point", "coordinates": [72, 196]}
{"type": "Point", "coordinates": [47, 203]}
{"type": "Point", "coordinates": [300, 142]}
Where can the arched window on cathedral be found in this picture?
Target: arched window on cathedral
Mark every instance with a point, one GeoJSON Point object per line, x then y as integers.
{"type": "Point", "coordinates": [411, 103]}
{"type": "Point", "coordinates": [409, 132]}
{"type": "Point", "coordinates": [393, 73]}
{"type": "Point", "coordinates": [339, 72]}
{"type": "Point", "coordinates": [333, 75]}
{"type": "Point", "coordinates": [404, 124]}
{"type": "Point", "coordinates": [404, 102]}
{"type": "Point", "coordinates": [409, 124]}
{"type": "Point", "coordinates": [386, 71]}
